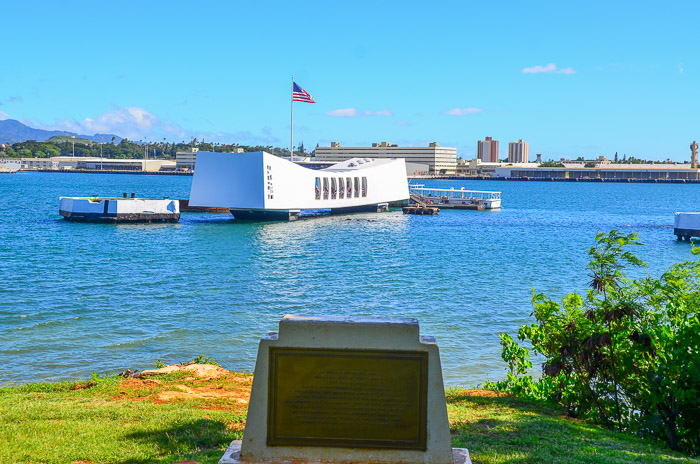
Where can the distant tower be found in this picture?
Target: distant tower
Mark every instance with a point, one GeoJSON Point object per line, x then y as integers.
{"type": "Point", "coordinates": [694, 155]}
{"type": "Point", "coordinates": [539, 158]}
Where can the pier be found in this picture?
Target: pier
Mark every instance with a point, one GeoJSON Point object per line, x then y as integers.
{"type": "Point", "coordinates": [455, 198]}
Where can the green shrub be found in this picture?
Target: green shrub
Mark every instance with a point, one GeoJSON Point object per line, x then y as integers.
{"type": "Point", "coordinates": [626, 356]}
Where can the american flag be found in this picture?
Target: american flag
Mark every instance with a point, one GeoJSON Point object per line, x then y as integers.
{"type": "Point", "coordinates": [301, 95]}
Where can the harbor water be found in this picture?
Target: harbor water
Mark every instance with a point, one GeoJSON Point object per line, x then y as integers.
{"type": "Point", "coordinates": [80, 298]}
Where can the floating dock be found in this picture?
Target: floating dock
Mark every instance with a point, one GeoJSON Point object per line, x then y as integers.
{"type": "Point", "coordinates": [421, 210]}
{"type": "Point", "coordinates": [455, 198]}
{"type": "Point", "coordinates": [113, 210]}
{"type": "Point", "coordinates": [686, 225]}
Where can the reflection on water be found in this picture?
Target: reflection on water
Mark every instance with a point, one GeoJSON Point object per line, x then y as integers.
{"type": "Point", "coordinates": [77, 298]}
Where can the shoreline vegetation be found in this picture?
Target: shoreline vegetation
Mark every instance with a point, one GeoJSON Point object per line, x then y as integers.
{"type": "Point", "coordinates": [192, 413]}
{"type": "Point", "coordinates": [61, 145]}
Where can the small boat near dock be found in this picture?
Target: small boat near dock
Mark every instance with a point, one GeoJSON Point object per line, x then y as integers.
{"type": "Point", "coordinates": [686, 225]}
{"type": "Point", "coordinates": [455, 199]}
{"type": "Point", "coordinates": [113, 210]}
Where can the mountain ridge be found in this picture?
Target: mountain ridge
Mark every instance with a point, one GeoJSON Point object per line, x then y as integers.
{"type": "Point", "coordinates": [13, 131]}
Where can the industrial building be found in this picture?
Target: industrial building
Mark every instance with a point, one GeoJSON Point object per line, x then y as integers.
{"type": "Point", "coordinates": [631, 172]}
{"type": "Point", "coordinates": [186, 160]}
{"type": "Point", "coordinates": [438, 160]}
{"type": "Point", "coordinates": [65, 163]}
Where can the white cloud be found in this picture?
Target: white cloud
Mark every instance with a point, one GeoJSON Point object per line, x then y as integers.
{"type": "Point", "coordinates": [343, 113]}
{"type": "Point", "coordinates": [137, 123]}
{"type": "Point", "coordinates": [464, 111]}
{"type": "Point", "coordinates": [549, 68]}
{"type": "Point", "coordinates": [353, 112]}
{"type": "Point", "coordinates": [402, 123]}
{"type": "Point", "coordinates": [540, 69]}
{"type": "Point", "coordinates": [680, 68]}
{"type": "Point", "coordinates": [4, 116]}
{"type": "Point", "coordinates": [131, 122]}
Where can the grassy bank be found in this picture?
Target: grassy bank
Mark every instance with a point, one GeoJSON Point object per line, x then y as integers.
{"type": "Point", "coordinates": [177, 417]}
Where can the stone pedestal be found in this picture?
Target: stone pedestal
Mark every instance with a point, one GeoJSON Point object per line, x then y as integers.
{"type": "Point", "coordinates": [347, 390]}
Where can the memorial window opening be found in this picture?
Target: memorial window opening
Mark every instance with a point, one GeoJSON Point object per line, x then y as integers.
{"type": "Point", "coordinates": [348, 182]}
{"type": "Point", "coordinates": [318, 188]}
{"type": "Point", "coordinates": [334, 188]}
{"type": "Point", "coordinates": [364, 186]}
{"type": "Point", "coordinates": [357, 187]}
{"type": "Point", "coordinates": [325, 188]}
{"type": "Point", "coordinates": [341, 188]}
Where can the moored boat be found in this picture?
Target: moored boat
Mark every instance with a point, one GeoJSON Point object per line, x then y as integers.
{"type": "Point", "coordinates": [686, 225]}
{"type": "Point", "coordinates": [9, 166]}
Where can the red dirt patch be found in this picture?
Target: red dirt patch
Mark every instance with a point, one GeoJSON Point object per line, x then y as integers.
{"type": "Point", "coordinates": [199, 371]}
{"type": "Point", "coordinates": [186, 392]}
{"type": "Point", "coordinates": [226, 393]}
{"type": "Point", "coordinates": [81, 386]}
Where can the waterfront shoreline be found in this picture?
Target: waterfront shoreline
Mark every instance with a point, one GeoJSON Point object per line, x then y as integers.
{"type": "Point", "coordinates": [558, 179]}
{"type": "Point", "coordinates": [464, 178]}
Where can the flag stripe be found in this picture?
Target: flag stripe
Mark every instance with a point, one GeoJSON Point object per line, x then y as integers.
{"type": "Point", "coordinates": [301, 95]}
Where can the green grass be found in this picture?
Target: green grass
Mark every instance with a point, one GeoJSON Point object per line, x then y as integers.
{"type": "Point", "coordinates": [510, 430]}
{"type": "Point", "coordinates": [116, 420]}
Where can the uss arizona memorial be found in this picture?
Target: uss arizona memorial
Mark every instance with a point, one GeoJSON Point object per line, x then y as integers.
{"type": "Point", "coordinates": [259, 185]}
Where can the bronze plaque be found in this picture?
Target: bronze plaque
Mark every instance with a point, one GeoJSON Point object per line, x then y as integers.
{"type": "Point", "coordinates": [348, 398]}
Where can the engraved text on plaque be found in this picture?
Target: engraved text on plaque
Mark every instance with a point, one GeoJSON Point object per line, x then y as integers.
{"type": "Point", "coordinates": [347, 398]}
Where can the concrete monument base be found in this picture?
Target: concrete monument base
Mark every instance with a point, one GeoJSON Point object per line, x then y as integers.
{"type": "Point", "coordinates": [233, 456]}
{"type": "Point", "coordinates": [347, 390]}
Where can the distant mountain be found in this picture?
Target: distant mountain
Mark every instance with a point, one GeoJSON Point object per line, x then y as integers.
{"type": "Point", "coordinates": [12, 131]}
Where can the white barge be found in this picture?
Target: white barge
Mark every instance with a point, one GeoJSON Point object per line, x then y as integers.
{"type": "Point", "coordinates": [686, 225]}
{"type": "Point", "coordinates": [456, 199]}
{"type": "Point", "coordinates": [262, 186]}
{"type": "Point", "coordinates": [95, 209]}
{"type": "Point", "coordinates": [9, 166]}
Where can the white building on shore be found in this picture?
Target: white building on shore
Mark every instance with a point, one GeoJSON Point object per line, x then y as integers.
{"type": "Point", "coordinates": [602, 170]}
{"type": "Point", "coordinates": [437, 159]}
{"type": "Point", "coordinates": [95, 163]}
{"type": "Point", "coordinates": [185, 160]}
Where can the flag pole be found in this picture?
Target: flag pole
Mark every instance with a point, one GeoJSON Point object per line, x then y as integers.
{"type": "Point", "coordinates": [291, 141]}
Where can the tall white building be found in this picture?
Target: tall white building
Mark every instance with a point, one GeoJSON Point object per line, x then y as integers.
{"type": "Point", "coordinates": [440, 160]}
{"type": "Point", "coordinates": [518, 152]}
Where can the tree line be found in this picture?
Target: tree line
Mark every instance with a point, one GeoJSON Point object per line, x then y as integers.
{"type": "Point", "coordinates": [125, 149]}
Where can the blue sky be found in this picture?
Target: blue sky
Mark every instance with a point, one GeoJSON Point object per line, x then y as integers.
{"type": "Point", "coordinates": [571, 78]}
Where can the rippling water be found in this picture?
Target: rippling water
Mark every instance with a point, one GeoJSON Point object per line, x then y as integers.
{"type": "Point", "coordinates": [81, 298]}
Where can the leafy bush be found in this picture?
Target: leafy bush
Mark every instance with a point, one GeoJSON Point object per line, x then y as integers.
{"type": "Point", "coordinates": [626, 356]}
